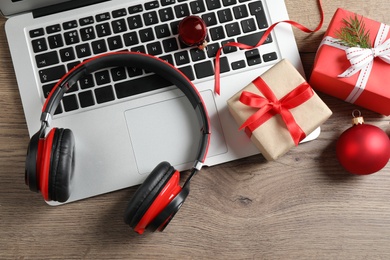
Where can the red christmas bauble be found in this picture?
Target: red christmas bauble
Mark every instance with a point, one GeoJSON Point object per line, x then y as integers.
{"type": "Point", "coordinates": [192, 31]}
{"type": "Point", "coordinates": [363, 148]}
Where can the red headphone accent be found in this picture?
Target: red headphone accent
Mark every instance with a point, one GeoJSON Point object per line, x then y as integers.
{"type": "Point", "coordinates": [167, 194]}
{"type": "Point", "coordinates": [45, 164]}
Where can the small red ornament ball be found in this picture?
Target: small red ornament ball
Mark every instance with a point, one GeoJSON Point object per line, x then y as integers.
{"type": "Point", "coordinates": [192, 30]}
{"type": "Point", "coordinates": [363, 149]}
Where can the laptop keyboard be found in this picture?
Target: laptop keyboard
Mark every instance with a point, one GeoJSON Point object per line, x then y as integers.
{"type": "Point", "coordinates": [150, 28]}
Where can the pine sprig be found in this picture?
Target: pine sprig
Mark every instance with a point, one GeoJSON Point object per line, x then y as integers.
{"type": "Point", "coordinates": [354, 33]}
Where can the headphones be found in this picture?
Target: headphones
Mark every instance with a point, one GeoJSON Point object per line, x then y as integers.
{"type": "Point", "coordinates": [50, 158]}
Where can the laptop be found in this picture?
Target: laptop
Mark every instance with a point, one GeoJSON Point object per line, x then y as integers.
{"type": "Point", "coordinates": [120, 137]}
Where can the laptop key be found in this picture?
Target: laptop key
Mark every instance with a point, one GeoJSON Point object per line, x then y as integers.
{"type": "Point", "coordinates": [37, 32]}
{"type": "Point", "coordinates": [212, 49]}
{"type": "Point", "coordinates": [39, 45]}
{"type": "Point", "coordinates": [104, 94]}
{"type": "Point", "coordinates": [70, 102]}
{"type": "Point", "coordinates": [118, 73]}
{"type": "Point", "coordinates": [151, 5]}
{"type": "Point", "coordinates": [217, 33]}
{"type": "Point", "coordinates": [83, 50]}
{"type": "Point", "coordinates": [86, 99]}
{"type": "Point", "coordinates": [87, 33]}
{"type": "Point", "coordinates": [102, 77]}
{"type": "Point", "coordinates": [150, 18]}
{"type": "Point", "coordinates": [248, 25]}
{"type": "Point", "coordinates": [140, 85]}
{"type": "Point", "coordinates": [253, 57]}
{"type": "Point", "coordinates": [99, 46]}
{"type": "Point", "coordinates": [166, 14]}
{"type": "Point", "coordinates": [228, 49]}
{"type": "Point", "coordinates": [103, 29]}
{"type": "Point", "coordinates": [71, 65]}
{"type": "Point", "coordinates": [182, 58]}
{"type": "Point", "coordinates": [197, 54]}
{"type": "Point", "coordinates": [209, 19]}
{"type": "Point", "coordinates": [86, 20]}
{"type": "Point", "coordinates": [213, 4]}
{"type": "Point", "coordinates": [53, 28]}
{"type": "Point", "coordinates": [253, 39]}
{"type": "Point", "coordinates": [197, 7]}
{"type": "Point", "coordinates": [182, 10]}
{"type": "Point", "coordinates": [102, 17]}
{"type": "Point", "coordinates": [167, 58]}
{"type": "Point", "coordinates": [170, 44]}
{"type": "Point", "coordinates": [86, 82]}
{"type": "Point", "coordinates": [69, 25]}
{"type": "Point", "coordinates": [135, 9]}
{"type": "Point", "coordinates": [71, 37]}
{"type": "Point", "coordinates": [134, 22]}
{"type": "Point", "coordinates": [47, 89]}
{"type": "Point", "coordinates": [130, 38]}
{"type": "Point", "coordinates": [55, 41]}
{"type": "Point", "coordinates": [240, 11]}
{"type": "Point", "coordinates": [167, 2]}
{"type": "Point", "coordinates": [187, 70]}
{"type": "Point", "coordinates": [232, 29]}
{"type": "Point", "coordinates": [119, 13]}
{"type": "Point", "coordinates": [47, 59]}
{"type": "Point", "coordinates": [225, 16]}
{"type": "Point", "coordinates": [229, 2]}
{"type": "Point", "coordinates": [256, 9]}
{"type": "Point", "coordinates": [204, 69]}
{"type": "Point", "coordinates": [119, 26]}
{"type": "Point", "coordinates": [154, 48]}
{"type": "Point", "coordinates": [162, 31]}
{"type": "Point", "coordinates": [270, 56]}
{"type": "Point", "coordinates": [51, 74]}
{"type": "Point", "coordinates": [238, 65]}
{"type": "Point", "coordinates": [115, 42]}
{"type": "Point", "coordinates": [146, 35]}
{"type": "Point", "coordinates": [224, 65]}
{"type": "Point", "coordinates": [174, 27]}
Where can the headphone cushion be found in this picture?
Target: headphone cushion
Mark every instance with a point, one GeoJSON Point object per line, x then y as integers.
{"type": "Point", "coordinates": [147, 192]}
{"type": "Point", "coordinates": [61, 165]}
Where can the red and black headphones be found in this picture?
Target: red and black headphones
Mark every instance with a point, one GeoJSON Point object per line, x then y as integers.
{"type": "Point", "coordinates": [50, 158]}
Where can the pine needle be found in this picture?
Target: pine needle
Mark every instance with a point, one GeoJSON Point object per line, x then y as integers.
{"type": "Point", "coordinates": [354, 33]}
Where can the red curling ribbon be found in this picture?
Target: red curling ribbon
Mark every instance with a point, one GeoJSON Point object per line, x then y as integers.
{"type": "Point", "coordinates": [269, 106]}
{"type": "Point", "coordinates": [217, 75]}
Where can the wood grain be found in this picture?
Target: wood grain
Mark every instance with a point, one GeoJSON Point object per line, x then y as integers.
{"type": "Point", "coordinates": [302, 206]}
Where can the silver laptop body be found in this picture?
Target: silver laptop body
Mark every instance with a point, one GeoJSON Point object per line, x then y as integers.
{"type": "Point", "coordinates": [120, 140]}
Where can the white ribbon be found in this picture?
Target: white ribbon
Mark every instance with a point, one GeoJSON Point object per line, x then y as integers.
{"type": "Point", "coordinates": [362, 59]}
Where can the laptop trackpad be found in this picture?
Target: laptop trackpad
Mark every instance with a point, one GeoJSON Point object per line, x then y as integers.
{"type": "Point", "coordinates": [169, 131]}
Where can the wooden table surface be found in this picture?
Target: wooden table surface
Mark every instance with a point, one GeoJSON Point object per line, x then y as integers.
{"type": "Point", "coordinates": [302, 206]}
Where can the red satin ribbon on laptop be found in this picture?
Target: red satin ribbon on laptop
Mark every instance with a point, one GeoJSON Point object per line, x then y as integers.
{"type": "Point", "coordinates": [261, 41]}
{"type": "Point", "coordinates": [268, 106]}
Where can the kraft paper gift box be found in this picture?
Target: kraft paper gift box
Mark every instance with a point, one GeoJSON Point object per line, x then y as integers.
{"type": "Point", "coordinates": [286, 84]}
{"type": "Point", "coordinates": [368, 87]}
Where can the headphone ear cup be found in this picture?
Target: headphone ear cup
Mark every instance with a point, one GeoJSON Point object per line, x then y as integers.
{"type": "Point", "coordinates": [32, 160]}
{"type": "Point", "coordinates": [147, 192]}
{"type": "Point", "coordinates": [165, 216]}
{"type": "Point", "coordinates": [61, 165]}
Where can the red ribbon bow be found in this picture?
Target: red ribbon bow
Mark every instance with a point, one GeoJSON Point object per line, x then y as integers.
{"type": "Point", "coordinates": [269, 106]}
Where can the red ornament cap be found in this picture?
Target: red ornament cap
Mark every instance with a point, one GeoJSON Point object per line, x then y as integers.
{"type": "Point", "coordinates": [193, 31]}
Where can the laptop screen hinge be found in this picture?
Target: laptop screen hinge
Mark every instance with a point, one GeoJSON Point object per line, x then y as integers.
{"type": "Point", "coordinates": [57, 8]}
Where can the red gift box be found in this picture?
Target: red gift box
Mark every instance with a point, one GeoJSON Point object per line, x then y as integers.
{"type": "Point", "coordinates": [364, 84]}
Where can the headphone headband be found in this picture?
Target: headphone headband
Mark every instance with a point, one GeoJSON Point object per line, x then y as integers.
{"type": "Point", "coordinates": [135, 60]}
